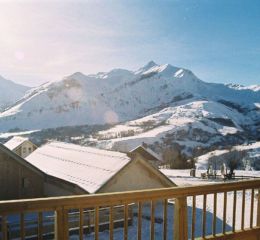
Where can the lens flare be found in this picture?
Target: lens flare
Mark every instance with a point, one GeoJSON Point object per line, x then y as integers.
{"type": "Point", "coordinates": [19, 55]}
{"type": "Point", "coordinates": [110, 117]}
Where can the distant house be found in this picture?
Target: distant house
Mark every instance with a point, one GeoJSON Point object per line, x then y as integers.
{"type": "Point", "coordinates": [21, 146]}
{"type": "Point", "coordinates": [147, 154]}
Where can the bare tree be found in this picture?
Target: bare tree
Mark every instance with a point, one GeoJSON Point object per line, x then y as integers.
{"type": "Point", "coordinates": [215, 161]}
{"type": "Point", "coordinates": [172, 156]}
{"type": "Point", "coordinates": [234, 160]}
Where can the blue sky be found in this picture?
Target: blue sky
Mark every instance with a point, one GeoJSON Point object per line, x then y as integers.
{"type": "Point", "coordinates": [219, 40]}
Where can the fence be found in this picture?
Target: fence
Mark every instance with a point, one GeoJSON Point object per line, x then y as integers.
{"type": "Point", "coordinates": [78, 207]}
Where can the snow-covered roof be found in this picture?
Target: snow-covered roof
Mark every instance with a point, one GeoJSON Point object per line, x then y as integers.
{"type": "Point", "coordinates": [15, 142]}
{"type": "Point", "coordinates": [87, 167]}
{"type": "Point", "coordinates": [149, 151]}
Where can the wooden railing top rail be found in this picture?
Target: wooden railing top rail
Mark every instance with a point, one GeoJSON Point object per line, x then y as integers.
{"type": "Point", "coordinates": [68, 202]}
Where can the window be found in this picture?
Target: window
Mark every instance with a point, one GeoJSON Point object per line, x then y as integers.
{"type": "Point", "coordinates": [24, 149]}
{"type": "Point", "coordinates": [25, 183]}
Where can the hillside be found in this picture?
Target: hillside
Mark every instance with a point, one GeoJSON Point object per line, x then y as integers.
{"type": "Point", "coordinates": [251, 157]}
{"type": "Point", "coordinates": [10, 92]}
{"type": "Point", "coordinates": [191, 124]}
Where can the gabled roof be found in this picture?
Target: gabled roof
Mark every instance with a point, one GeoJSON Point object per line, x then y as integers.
{"type": "Point", "coordinates": [87, 167]}
{"type": "Point", "coordinates": [147, 152]}
{"type": "Point", "coordinates": [15, 142]}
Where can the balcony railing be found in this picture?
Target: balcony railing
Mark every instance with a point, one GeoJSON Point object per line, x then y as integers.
{"type": "Point", "coordinates": [196, 212]}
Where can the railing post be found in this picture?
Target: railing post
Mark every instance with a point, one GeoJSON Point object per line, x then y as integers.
{"type": "Point", "coordinates": [4, 228]}
{"type": "Point", "coordinates": [61, 224]}
{"type": "Point", "coordinates": [258, 209]}
{"type": "Point", "coordinates": [180, 219]}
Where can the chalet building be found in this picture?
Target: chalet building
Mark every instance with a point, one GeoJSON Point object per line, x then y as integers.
{"type": "Point", "coordinates": [60, 169]}
{"type": "Point", "coordinates": [95, 170]}
{"type": "Point", "coordinates": [147, 154]}
{"type": "Point", "coordinates": [21, 146]}
{"type": "Point", "coordinates": [19, 179]}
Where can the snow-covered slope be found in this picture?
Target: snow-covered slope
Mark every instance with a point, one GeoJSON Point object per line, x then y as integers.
{"type": "Point", "coordinates": [191, 124]}
{"type": "Point", "coordinates": [121, 95]}
{"type": "Point", "coordinates": [252, 150]}
{"type": "Point", "coordinates": [10, 92]}
{"type": "Point", "coordinates": [255, 88]}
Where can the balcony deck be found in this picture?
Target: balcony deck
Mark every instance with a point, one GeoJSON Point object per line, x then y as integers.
{"type": "Point", "coordinates": [83, 215]}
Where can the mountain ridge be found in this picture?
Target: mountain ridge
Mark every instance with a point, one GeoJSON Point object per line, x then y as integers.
{"type": "Point", "coordinates": [120, 95]}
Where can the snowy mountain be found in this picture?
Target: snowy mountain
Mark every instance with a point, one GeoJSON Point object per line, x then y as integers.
{"type": "Point", "coordinates": [10, 92]}
{"type": "Point", "coordinates": [156, 104]}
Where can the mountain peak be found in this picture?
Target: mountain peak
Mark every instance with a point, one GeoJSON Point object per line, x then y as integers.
{"type": "Point", "coordinates": [146, 67]}
{"type": "Point", "coordinates": [77, 76]}
{"type": "Point", "coordinates": [150, 64]}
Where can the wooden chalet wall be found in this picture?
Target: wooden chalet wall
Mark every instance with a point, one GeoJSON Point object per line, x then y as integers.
{"type": "Point", "coordinates": [18, 181]}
